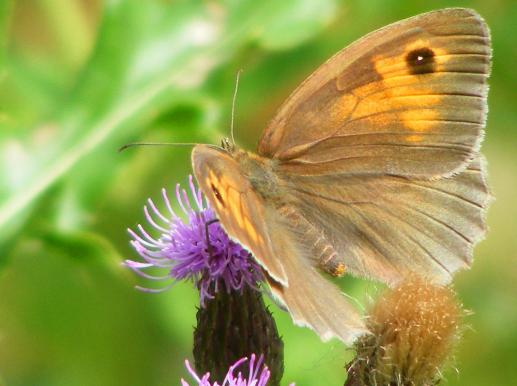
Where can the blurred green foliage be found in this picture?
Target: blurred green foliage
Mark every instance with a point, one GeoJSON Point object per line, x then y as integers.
{"type": "Point", "coordinates": [80, 78]}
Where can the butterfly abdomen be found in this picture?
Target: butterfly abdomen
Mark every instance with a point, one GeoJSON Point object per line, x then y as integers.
{"type": "Point", "coordinates": [322, 251]}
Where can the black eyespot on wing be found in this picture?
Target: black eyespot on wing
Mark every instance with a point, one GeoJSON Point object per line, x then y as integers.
{"type": "Point", "coordinates": [421, 61]}
{"type": "Point", "coordinates": [217, 194]}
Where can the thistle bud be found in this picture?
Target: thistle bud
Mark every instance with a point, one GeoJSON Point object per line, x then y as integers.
{"type": "Point", "coordinates": [232, 325]}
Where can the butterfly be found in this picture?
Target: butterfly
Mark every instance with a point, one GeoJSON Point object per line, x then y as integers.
{"type": "Point", "coordinates": [371, 167]}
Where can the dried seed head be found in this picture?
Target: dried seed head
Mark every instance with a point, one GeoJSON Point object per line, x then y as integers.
{"type": "Point", "coordinates": [415, 328]}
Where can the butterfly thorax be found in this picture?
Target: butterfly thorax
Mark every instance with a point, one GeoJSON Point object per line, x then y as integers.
{"type": "Point", "coordinates": [260, 173]}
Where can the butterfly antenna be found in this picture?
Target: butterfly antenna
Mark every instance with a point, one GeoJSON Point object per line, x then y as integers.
{"type": "Point", "coordinates": [233, 104]}
{"type": "Point", "coordinates": [122, 148]}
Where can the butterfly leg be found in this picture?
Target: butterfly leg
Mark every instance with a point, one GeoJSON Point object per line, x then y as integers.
{"type": "Point", "coordinates": [209, 247]}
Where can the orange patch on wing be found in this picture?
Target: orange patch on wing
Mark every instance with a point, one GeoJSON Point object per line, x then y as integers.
{"type": "Point", "coordinates": [369, 89]}
{"type": "Point", "coordinates": [234, 204]}
{"type": "Point", "coordinates": [400, 94]}
{"type": "Point", "coordinates": [342, 108]}
{"type": "Point", "coordinates": [250, 230]}
{"type": "Point", "coordinates": [414, 138]}
{"type": "Point", "coordinates": [419, 120]}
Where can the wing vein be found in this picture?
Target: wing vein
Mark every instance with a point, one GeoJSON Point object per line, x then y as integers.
{"type": "Point", "coordinates": [442, 191]}
{"type": "Point", "coordinates": [409, 120]}
{"type": "Point", "coordinates": [415, 241]}
{"type": "Point", "coordinates": [392, 97]}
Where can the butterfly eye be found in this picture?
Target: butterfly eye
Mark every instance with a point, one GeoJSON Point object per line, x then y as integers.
{"type": "Point", "coordinates": [421, 61]}
{"type": "Point", "coordinates": [217, 194]}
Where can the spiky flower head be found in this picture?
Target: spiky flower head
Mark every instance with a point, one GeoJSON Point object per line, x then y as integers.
{"type": "Point", "coordinates": [415, 328]}
{"type": "Point", "coordinates": [194, 248]}
{"type": "Point", "coordinates": [258, 374]}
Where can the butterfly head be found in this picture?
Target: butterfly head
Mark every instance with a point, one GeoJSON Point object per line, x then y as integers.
{"type": "Point", "coordinates": [228, 145]}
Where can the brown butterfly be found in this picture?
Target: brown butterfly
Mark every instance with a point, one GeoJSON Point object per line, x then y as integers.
{"type": "Point", "coordinates": [371, 166]}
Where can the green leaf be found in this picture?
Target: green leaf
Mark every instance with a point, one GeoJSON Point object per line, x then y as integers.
{"type": "Point", "coordinates": [293, 22]}
{"type": "Point", "coordinates": [85, 246]}
{"type": "Point", "coordinates": [147, 58]}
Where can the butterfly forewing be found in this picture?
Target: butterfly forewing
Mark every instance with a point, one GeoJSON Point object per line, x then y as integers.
{"type": "Point", "coordinates": [408, 99]}
{"type": "Point", "coordinates": [238, 207]}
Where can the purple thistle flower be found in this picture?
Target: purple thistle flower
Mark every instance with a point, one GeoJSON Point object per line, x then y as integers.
{"type": "Point", "coordinates": [258, 374]}
{"type": "Point", "coordinates": [196, 249]}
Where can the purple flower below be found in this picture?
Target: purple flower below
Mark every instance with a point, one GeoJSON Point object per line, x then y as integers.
{"type": "Point", "coordinates": [258, 374]}
{"type": "Point", "coordinates": [196, 248]}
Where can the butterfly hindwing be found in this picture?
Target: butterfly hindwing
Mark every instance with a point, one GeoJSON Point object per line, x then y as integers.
{"type": "Point", "coordinates": [385, 227]}
{"type": "Point", "coordinates": [310, 298]}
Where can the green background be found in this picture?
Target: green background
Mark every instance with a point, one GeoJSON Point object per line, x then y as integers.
{"type": "Point", "coordinates": [80, 78]}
